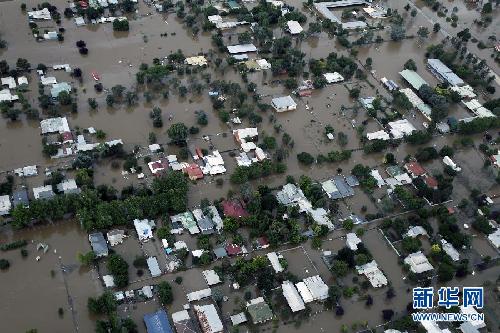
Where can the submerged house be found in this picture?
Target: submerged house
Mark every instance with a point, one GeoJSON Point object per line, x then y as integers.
{"type": "Point", "coordinates": [98, 244]}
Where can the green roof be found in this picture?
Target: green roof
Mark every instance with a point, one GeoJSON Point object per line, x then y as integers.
{"type": "Point", "coordinates": [413, 78]}
{"type": "Point", "coordinates": [233, 4]}
{"type": "Point", "coordinates": [259, 311]}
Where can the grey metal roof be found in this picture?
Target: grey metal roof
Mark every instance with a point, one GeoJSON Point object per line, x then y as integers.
{"type": "Point", "coordinates": [206, 225]}
{"type": "Point", "coordinates": [446, 73]}
{"type": "Point", "coordinates": [220, 252]}
{"type": "Point", "coordinates": [98, 243]}
{"type": "Point", "coordinates": [20, 197]}
{"type": "Point", "coordinates": [352, 180]}
{"type": "Point", "coordinates": [344, 188]}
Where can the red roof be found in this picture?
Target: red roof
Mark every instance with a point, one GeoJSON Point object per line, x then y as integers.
{"type": "Point", "coordinates": [194, 171]}
{"type": "Point", "coordinates": [234, 208]}
{"type": "Point", "coordinates": [199, 153]}
{"type": "Point", "coordinates": [67, 136]}
{"type": "Point", "coordinates": [233, 249]}
{"type": "Point", "coordinates": [305, 93]}
{"type": "Point", "coordinates": [262, 241]}
{"type": "Point", "coordinates": [451, 211]}
{"type": "Point", "coordinates": [415, 168]}
{"type": "Point", "coordinates": [431, 182]}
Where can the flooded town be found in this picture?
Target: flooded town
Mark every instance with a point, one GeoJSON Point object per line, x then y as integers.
{"type": "Point", "coordinates": [250, 166]}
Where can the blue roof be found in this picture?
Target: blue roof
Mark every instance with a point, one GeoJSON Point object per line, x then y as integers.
{"type": "Point", "coordinates": [157, 322]}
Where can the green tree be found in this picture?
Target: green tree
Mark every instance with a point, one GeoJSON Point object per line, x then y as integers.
{"type": "Point", "coordinates": [165, 293]}
{"type": "Point", "coordinates": [87, 259]}
{"type": "Point", "coordinates": [178, 133]}
{"type": "Point", "coordinates": [340, 268]}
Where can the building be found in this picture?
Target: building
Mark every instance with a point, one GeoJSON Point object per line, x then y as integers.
{"type": "Point", "coordinates": [234, 208]}
{"type": "Point", "coordinates": [415, 169]}
{"type": "Point", "coordinates": [6, 96]}
{"type": "Point", "coordinates": [475, 107]}
{"type": "Point", "coordinates": [275, 262]}
{"type": "Point", "coordinates": [54, 125]}
{"type": "Point", "coordinates": [418, 263]}
{"type": "Point", "coordinates": [9, 81]}
{"type": "Point", "coordinates": [389, 84]}
{"type": "Point", "coordinates": [5, 205]}
{"type": "Point", "coordinates": [416, 231]}
{"type": "Point", "coordinates": [417, 103]}
{"type": "Point", "coordinates": [259, 310]}
{"type": "Point", "coordinates": [400, 128]}
{"type": "Point", "coordinates": [449, 162]}
{"type": "Point", "coordinates": [352, 241]}
{"type": "Point", "coordinates": [153, 266]}
{"type": "Point", "coordinates": [494, 238]}
{"type": "Point", "coordinates": [109, 281]}
{"type": "Point", "coordinates": [324, 8]}
{"type": "Point", "coordinates": [317, 287]}
{"type": "Point", "coordinates": [304, 292]}
{"type": "Point", "coordinates": [378, 135]}
{"type": "Point", "coordinates": [43, 192]}
{"type": "Point", "coordinates": [337, 188]}
{"type": "Point", "coordinates": [183, 322]}
{"type": "Point", "coordinates": [20, 197]}
{"type": "Point", "coordinates": [214, 164]}
{"type": "Point", "coordinates": [333, 77]}
{"type": "Point", "coordinates": [144, 229]}
{"type": "Point", "coordinates": [196, 61]}
{"type": "Point", "coordinates": [292, 296]}
{"type": "Point", "coordinates": [157, 322]}
{"type": "Point", "coordinates": [220, 253]}
{"type": "Point", "coordinates": [233, 249]}
{"type": "Point", "coordinates": [238, 319]}
{"type": "Point", "coordinates": [373, 274]}
{"type": "Point", "coordinates": [193, 171]}
{"type": "Point", "coordinates": [450, 250]}
{"type": "Point", "coordinates": [58, 88]}
{"type": "Point", "coordinates": [43, 14]}
{"type": "Point", "coordinates": [208, 318]}
{"type": "Point", "coordinates": [243, 48]}
{"type": "Point", "coordinates": [282, 104]}
{"type": "Point", "coordinates": [211, 277]}
{"type": "Point", "coordinates": [413, 79]}
{"type": "Point", "coordinates": [68, 186]}
{"type": "Point", "coordinates": [185, 220]}
{"type": "Point", "coordinates": [470, 310]}
{"type": "Point", "coordinates": [115, 236]}
{"type": "Point", "coordinates": [98, 244]}
{"type": "Point", "coordinates": [294, 27]}
{"type": "Point", "coordinates": [443, 73]}
{"type": "Point", "coordinates": [199, 295]}
{"type": "Point", "coordinates": [205, 223]}
{"type": "Point", "coordinates": [157, 167]}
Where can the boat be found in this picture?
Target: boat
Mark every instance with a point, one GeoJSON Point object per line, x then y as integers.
{"type": "Point", "coordinates": [96, 76]}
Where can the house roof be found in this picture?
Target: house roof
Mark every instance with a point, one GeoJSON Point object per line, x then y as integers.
{"type": "Point", "coordinates": [445, 72]}
{"type": "Point", "coordinates": [220, 252]}
{"type": "Point", "coordinates": [259, 310]}
{"type": "Point", "coordinates": [418, 262]}
{"type": "Point", "coordinates": [233, 249]}
{"type": "Point", "coordinates": [242, 48]}
{"type": "Point", "coordinates": [412, 78]}
{"type": "Point", "coordinates": [194, 171]}
{"type": "Point", "coordinates": [5, 204]}
{"type": "Point", "coordinates": [292, 296]}
{"type": "Point", "coordinates": [209, 318]}
{"type": "Point", "coordinates": [283, 102]}
{"type": "Point", "coordinates": [43, 192]}
{"type": "Point", "coordinates": [431, 182]}
{"type": "Point", "coordinates": [52, 125]}
{"type": "Point", "coordinates": [317, 287]}
{"type": "Point", "coordinates": [373, 274]}
{"type": "Point", "coordinates": [157, 322]}
{"type": "Point", "coordinates": [234, 208]}
{"type": "Point", "coordinates": [211, 277]}
{"type": "Point", "coordinates": [415, 169]}
{"type": "Point", "coordinates": [275, 263]}
{"type": "Point", "coordinates": [20, 197]}
{"type": "Point", "coordinates": [183, 322]}
{"type": "Point", "coordinates": [294, 27]}
{"type": "Point", "coordinates": [153, 266]}
{"type": "Point", "coordinates": [98, 244]}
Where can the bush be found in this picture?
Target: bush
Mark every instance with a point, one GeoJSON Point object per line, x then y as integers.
{"type": "Point", "coordinates": [305, 158]}
{"type": "Point", "coordinates": [4, 264]}
{"type": "Point", "coordinates": [120, 25]}
{"type": "Point", "coordinates": [13, 245]}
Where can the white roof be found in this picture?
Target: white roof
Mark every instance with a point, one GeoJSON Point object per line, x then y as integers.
{"type": "Point", "coordinates": [22, 80]}
{"type": "Point", "coordinates": [67, 185]}
{"type": "Point", "coordinates": [418, 262]}
{"type": "Point", "coordinates": [478, 109]}
{"type": "Point", "coordinates": [292, 296]}
{"type": "Point", "coordinates": [275, 263]}
{"type": "Point", "coordinates": [43, 14]}
{"type": "Point", "coordinates": [115, 237]}
{"type": "Point", "coordinates": [246, 133]}
{"type": "Point", "coordinates": [53, 125]}
{"type": "Point", "coordinates": [198, 295]}
{"type": "Point", "coordinates": [285, 102]}
{"type": "Point", "coordinates": [373, 274]}
{"type": "Point", "coordinates": [180, 316]}
{"type": "Point", "coordinates": [304, 292]}
{"type": "Point", "coordinates": [294, 27]}
{"type": "Point", "coordinates": [375, 174]}
{"type": "Point", "coordinates": [154, 147]}
{"type": "Point", "coordinates": [263, 64]}
{"type": "Point", "coordinates": [238, 318]}
{"type": "Point", "coordinates": [153, 266]}
{"type": "Point", "coordinates": [352, 241]}
{"type": "Point", "coordinates": [109, 281]}
{"type": "Point", "coordinates": [211, 277]}
{"type": "Point", "coordinates": [79, 21]}
{"type": "Point", "coordinates": [494, 238]}
{"type": "Point", "coordinates": [30, 170]}
{"type": "Point", "coordinates": [470, 310]}
{"type": "Point", "coordinates": [401, 128]}
{"type": "Point", "coordinates": [379, 135]}
{"type": "Point", "coordinates": [196, 61]}
{"type": "Point", "coordinates": [147, 291]}
{"type": "Point", "coordinates": [9, 81]}
{"type": "Point", "coordinates": [38, 190]}
{"type": "Point", "coordinates": [5, 204]}
{"type": "Point", "coordinates": [209, 318]}
{"type": "Point", "coordinates": [449, 162]}
{"type": "Point", "coordinates": [333, 77]}
{"type": "Point", "coordinates": [464, 91]}
{"type": "Point", "coordinates": [6, 96]}
{"type": "Point", "coordinates": [317, 287]}
{"type": "Point", "coordinates": [46, 81]}
{"type": "Point", "coordinates": [214, 18]}
{"type": "Point", "coordinates": [450, 250]}
{"type": "Point", "coordinates": [416, 231]}
{"type": "Point", "coordinates": [143, 229]}
{"type": "Point", "coordinates": [242, 48]}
